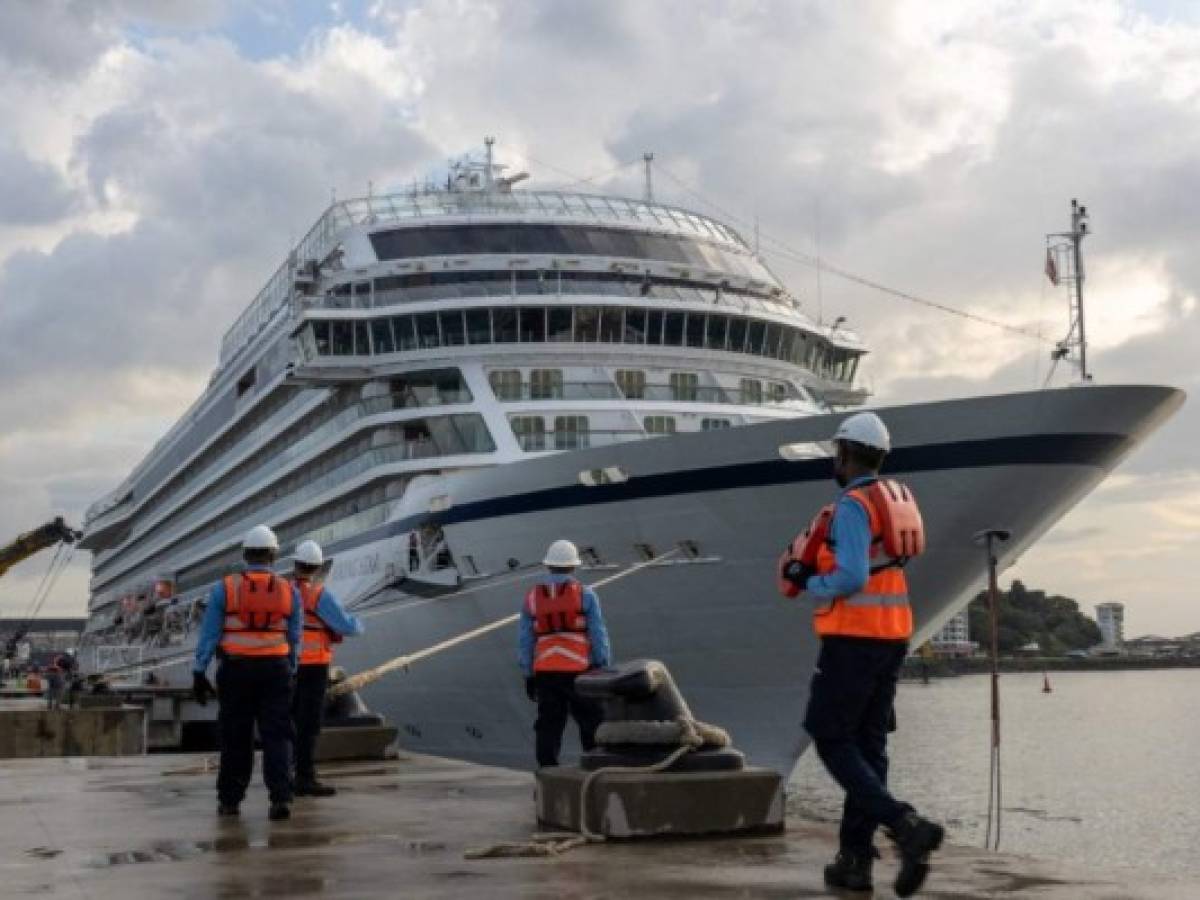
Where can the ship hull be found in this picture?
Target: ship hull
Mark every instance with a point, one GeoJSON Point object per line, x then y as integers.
{"type": "Point", "coordinates": [726, 502]}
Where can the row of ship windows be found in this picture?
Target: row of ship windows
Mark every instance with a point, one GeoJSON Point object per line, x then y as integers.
{"type": "Point", "coordinates": [631, 384]}
{"type": "Point", "coordinates": [557, 240]}
{"type": "Point", "coordinates": [394, 289]}
{"type": "Point", "coordinates": [575, 433]}
{"type": "Point", "coordinates": [582, 324]}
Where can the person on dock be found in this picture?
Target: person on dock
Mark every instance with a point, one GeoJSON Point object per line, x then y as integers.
{"type": "Point", "coordinates": [253, 622]}
{"type": "Point", "coordinates": [864, 622]}
{"type": "Point", "coordinates": [326, 622]}
{"type": "Point", "coordinates": [561, 634]}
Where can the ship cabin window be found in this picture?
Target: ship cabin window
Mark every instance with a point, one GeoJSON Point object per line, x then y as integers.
{"type": "Point", "coordinates": [695, 329]}
{"type": "Point", "coordinates": [635, 326]}
{"type": "Point", "coordinates": [673, 329]}
{"type": "Point", "coordinates": [654, 327]}
{"type": "Point", "coordinates": [479, 326]}
{"type": "Point", "coordinates": [453, 332]}
{"type": "Point", "coordinates": [570, 432]}
{"type": "Point", "coordinates": [714, 424]}
{"type": "Point", "coordinates": [737, 335]}
{"type": "Point", "coordinates": [632, 383]}
{"type": "Point", "coordinates": [433, 387]}
{"type": "Point", "coordinates": [684, 386]}
{"type": "Point", "coordinates": [715, 336]}
{"type": "Point", "coordinates": [362, 339]}
{"type": "Point", "coordinates": [404, 329]}
{"type": "Point", "coordinates": [339, 297]}
{"type": "Point", "coordinates": [321, 337]}
{"type": "Point", "coordinates": [362, 295]}
{"type": "Point", "coordinates": [342, 338]}
{"type": "Point", "coordinates": [506, 383]}
{"type": "Point", "coordinates": [751, 391]}
{"type": "Point", "coordinates": [777, 392]}
{"type": "Point", "coordinates": [530, 432]}
{"type": "Point", "coordinates": [610, 325]}
{"type": "Point", "coordinates": [533, 324]}
{"type": "Point", "coordinates": [381, 336]}
{"type": "Point", "coordinates": [428, 332]}
{"type": "Point", "coordinates": [504, 325]}
{"type": "Point", "coordinates": [659, 424]}
{"type": "Point", "coordinates": [587, 324]}
{"type": "Point", "coordinates": [246, 381]}
{"type": "Point", "coordinates": [754, 336]}
{"type": "Point", "coordinates": [545, 384]}
{"type": "Point", "coordinates": [558, 324]}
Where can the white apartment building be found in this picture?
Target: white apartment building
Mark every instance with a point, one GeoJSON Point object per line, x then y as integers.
{"type": "Point", "coordinates": [1111, 619]}
{"type": "Point", "coordinates": [955, 637]}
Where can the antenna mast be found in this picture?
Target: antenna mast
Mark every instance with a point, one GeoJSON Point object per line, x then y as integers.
{"type": "Point", "coordinates": [488, 143]}
{"type": "Point", "coordinates": [1064, 265]}
{"type": "Point", "coordinates": [648, 193]}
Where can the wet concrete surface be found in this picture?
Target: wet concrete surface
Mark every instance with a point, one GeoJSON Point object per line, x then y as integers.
{"type": "Point", "coordinates": [145, 827]}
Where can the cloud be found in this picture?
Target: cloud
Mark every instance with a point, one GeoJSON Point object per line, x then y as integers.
{"type": "Point", "coordinates": [928, 146]}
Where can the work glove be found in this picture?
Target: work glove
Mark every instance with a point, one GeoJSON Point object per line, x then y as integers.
{"type": "Point", "coordinates": [797, 573]}
{"type": "Point", "coordinates": [531, 689]}
{"type": "Point", "coordinates": [202, 688]}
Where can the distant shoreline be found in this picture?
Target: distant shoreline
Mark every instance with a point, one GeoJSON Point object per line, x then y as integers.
{"type": "Point", "coordinates": [915, 669]}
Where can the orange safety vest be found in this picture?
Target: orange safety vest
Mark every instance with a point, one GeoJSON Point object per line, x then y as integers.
{"type": "Point", "coordinates": [316, 649]}
{"type": "Point", "coordinates": [257, 607]}
{"type": "Point", "coordinates": [881, 609]}
{"type": "Point", "coordinates": [561, 628]}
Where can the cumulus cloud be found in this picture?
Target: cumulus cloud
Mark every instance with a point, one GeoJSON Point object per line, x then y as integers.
{"type": "Point", "coordinates": [929, 146]}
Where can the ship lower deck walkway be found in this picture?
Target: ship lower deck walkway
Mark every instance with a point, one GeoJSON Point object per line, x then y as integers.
{"type": "Point", "coordinates": [145, 827]}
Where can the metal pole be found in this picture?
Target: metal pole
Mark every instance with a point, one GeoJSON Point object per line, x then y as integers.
{"type": "Point", "coordinates": [989, 538]}
{"type": "Point", "coordinates": [1078, 230]}
{"type": "Point", "coordinates": [648, 159]}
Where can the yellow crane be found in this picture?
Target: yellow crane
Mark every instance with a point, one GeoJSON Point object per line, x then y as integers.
{"type": "Point", "coordinates": [31, 542]}
{"type": "Point", "coordinates": [25, 546]}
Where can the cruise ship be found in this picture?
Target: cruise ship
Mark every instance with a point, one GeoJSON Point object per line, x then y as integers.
{"type": "Point", "coordinates": [437, 383]}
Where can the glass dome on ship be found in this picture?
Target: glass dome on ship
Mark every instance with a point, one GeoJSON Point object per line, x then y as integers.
{"type": "Point", "coordinates": [438, 383]}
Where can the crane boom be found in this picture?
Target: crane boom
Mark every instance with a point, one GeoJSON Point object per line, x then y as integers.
{"type": "Point", "coordinates": [26, 545]}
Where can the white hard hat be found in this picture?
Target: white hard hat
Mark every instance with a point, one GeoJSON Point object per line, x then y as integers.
{"type": "Point", "coordinates": [562, 554]}
{"type": "Point", "coordinates": [865, 428]}
{"type": "Point", "coordinates": [260, 537]}
{"type": "Point", "coordinates": [309, 553]}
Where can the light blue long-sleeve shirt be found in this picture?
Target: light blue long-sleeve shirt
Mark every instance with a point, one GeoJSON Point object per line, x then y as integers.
{"type": "Point", "coordinates": [601, 654]}
{"type": "Point", "coordinates": [850, 534]}
{"type": "Point", "coordinates": [334, 615]}
{"type": "Point", "coordinates": [213, 625]}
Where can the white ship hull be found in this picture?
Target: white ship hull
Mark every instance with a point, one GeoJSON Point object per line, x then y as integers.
{"type": "Point", "coordinates": [741, 655]}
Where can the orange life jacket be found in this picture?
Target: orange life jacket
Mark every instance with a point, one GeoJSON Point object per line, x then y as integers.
{"type": "Point", "coordinates": [257, 607]}
{"type": "Point", "coordinates": [316, 648]}
{"type": "Point", "coordinates": [881, 609]}
{"type": "Point", "coordinates": [561, 628]}
{"type": "Point", "coordinates": [804, 550]}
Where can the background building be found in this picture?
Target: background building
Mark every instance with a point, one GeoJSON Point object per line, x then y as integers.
{"type": "Point", "coordinates": [44, 638]}
{"type": "Point", "coordinates": [955, 637]}
{"type": "Point", "coordinates": [1111, 619]}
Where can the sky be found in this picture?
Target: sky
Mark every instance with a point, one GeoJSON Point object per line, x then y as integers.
{"type": "Point", "coordinates": [161, 156]}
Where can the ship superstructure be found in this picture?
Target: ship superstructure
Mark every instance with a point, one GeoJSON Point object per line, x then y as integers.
{"type": "Point", "coordinates": [439, 382]}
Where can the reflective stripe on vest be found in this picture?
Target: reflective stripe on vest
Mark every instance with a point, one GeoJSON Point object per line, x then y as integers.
{"type": "Point", "coordinates": [257, 607]}
{"type": "Point", "coordinates": [561, 628]}
{"type": "Point", "coordinates": [316, 647]}
{"type": "Point", "coordinates": [881, 610]}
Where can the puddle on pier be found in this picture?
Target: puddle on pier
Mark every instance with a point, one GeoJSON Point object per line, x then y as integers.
{"type": "Point", "coordinates": [176, 851]}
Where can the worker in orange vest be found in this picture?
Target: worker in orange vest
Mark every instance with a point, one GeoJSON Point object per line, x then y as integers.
{"type": "Point", "coordinates": [326, 622]}
{"type": "Point", "coordinates": [864, 621]}
{"type": "Point", "coordinates": [253, 623]}
{"type": "Point", "coordinates": [561, 635]}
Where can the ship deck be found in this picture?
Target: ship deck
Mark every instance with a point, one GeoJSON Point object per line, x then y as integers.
{"type": "Point", "coordinates": [140, 827]}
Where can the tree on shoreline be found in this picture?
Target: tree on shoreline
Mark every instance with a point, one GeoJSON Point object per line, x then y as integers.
{"type": "Point", "coordinates": [1053, 622]}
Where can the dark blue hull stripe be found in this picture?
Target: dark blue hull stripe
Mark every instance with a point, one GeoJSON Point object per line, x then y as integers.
{"type": "Point", "coordinates": [1032, 450]}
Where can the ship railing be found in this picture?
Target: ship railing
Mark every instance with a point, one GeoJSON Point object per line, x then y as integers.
{"type": "Point", "coordinates": [446, 438]}
{"type": "Point", "coordinates": [321, 239]}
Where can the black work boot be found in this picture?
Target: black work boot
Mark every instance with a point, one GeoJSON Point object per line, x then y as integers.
{"type": "Point", "coordinates": [314, 788]}
{"type": "Point", "coordinates": [279, 812]}
{"type": "Point", "coordinates": [916, 837]}
{"type": "Point", "coordinates": [850, 871]}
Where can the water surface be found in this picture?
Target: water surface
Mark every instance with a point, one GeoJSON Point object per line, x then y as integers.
{"type": "Point", "coordinates": [1104, 770]}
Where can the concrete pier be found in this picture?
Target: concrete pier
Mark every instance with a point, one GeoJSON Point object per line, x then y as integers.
{"type": "Point", "coordinates": [27, 728]}
{"type": "Point", "coordinates": [144, 827]}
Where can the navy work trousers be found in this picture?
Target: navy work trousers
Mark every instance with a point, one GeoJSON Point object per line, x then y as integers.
{"type": "Point", "coordinates": [308, 704]}
{"type": "Point", "coordinates": [850, 712]}
{"type": "Point", "coordinates": [556, 699]}
{"type": "Point", "coordinates": [254, 691]}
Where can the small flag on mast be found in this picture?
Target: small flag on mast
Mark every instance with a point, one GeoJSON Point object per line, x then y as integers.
{"type": "Point", "coordinates": [1051, 267]}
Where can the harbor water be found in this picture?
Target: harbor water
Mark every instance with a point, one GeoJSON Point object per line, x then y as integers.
{"type": "Point", "coordinates": [1101, 771]}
